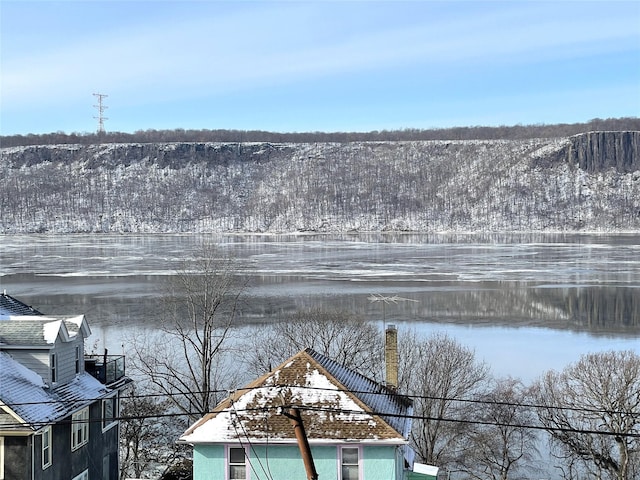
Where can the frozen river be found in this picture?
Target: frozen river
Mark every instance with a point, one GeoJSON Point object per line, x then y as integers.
{"type": "Point", "coordinates": [525, 303]}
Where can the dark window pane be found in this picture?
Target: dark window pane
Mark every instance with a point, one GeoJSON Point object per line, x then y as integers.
{"type": "Point", "coordinates": [236, 455]}
{"type": "Point", "coordinates": [350, 456]}
{"type": "Point", "coordinates": [237, 472]}
{"type": "Point", "coordinates": [349, 472]}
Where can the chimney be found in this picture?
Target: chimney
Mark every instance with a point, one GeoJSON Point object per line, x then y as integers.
{"type": "Point", "coordinates": [391, 356]}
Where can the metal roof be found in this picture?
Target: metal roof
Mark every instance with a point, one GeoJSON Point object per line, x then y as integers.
{"type": "Point", "coordinates": [376, 396]}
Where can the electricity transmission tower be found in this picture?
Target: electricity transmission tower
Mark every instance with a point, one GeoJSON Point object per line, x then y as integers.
{"type": "Point", "coordinates": [101, 108]}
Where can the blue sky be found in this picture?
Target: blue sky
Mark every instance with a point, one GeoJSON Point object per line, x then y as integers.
{"type": "Point", "coordinates": [295, 66]}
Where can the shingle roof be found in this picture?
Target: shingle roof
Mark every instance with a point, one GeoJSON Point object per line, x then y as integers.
{"type": "Point", "coordinates": [322, 390]}
{"type": "Point", "coordinates": [12, 306]}
{"type": "Point", "coordinates": [378, 397]}
{"type": "Point", "coordinates": [39, 331]}
{"type": "Point", "coordinates": [25, 393]}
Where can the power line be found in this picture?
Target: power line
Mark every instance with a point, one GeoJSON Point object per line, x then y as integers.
{"type": "Point", "coordinates": [385, 393]}
{"type": "Point", "coordinates": [344, 411]}
{"type": "Point", "coordinates": [248, 441]}
{"type": "Point", "coordinates": [347, 412]}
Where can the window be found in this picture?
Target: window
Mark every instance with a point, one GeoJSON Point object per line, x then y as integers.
{"type": "Point", "coordinates": [350, 463]}
{"type": "Point", "coordinates": [237, 463]}
{"type": "Point", "coordinates": [106, 467]}
{"type": "Point", "coordinates": [1, 457]}
{"type": "Point", "coordinates": [83, 476]}
{"type": "Point", "coordinates": [54, 370]}
{"type": "Point", "coordinates": [46, 447]}
{"type": "Point", "coordinates": [79, 428]}
{"type": "Point", "coordinates": [109, 412]}
{"type": "Point", "coordinates": [77, 359]}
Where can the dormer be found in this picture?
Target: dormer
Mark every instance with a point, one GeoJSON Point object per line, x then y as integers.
{"type": "Point", "coordinates": [52, 346]}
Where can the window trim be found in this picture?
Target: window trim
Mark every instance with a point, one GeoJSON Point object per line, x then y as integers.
{"type": "Point", "coordinates": [53, 364]}
{"type": "Point", "coordinates": [80, 424]}
{"type": "Point", "coordinates": [341, 448]}
{"type": "Point", "coordinates": [1, 457]}
{"type": "Point", "coordinates": [46, 433]}
{"type": "Point", "coordinates": [115, 399]}
{"type": "Point", "coordinates": [78, 359]}
{"type": "Point", "coordinates": [83, 476]}
{"type": "Point", "coordinates": [228, 461]}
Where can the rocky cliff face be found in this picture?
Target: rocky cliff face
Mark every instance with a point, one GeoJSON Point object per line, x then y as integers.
{"type": "Point", "coordinates": [464, 185]}
{"type": "Point", "coordinates": [599, 151]}
{"type": "Point", "coordinates": [173, 155]}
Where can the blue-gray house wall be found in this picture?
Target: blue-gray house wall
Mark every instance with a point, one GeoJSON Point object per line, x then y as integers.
{"type": "Point", "coordinates": [22, 452]}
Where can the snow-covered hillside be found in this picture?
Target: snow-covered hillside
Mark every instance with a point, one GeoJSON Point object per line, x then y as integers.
{"type": "Point", "coordinates": [589, 182]}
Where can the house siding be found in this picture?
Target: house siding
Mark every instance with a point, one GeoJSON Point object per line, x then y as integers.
{"type": "Point", "coordinates": [17, 458]}
{"type": "Point", "coordinates": [209, 462]}
{"type": "Point", "coordinates": [90, 456]}
{"type": "Point", "coordinates": [66, 464]}
{"type": "Point", "coordinates": [66, 353]}
{"type": "Point", "coordinates": [36, 360]}
{"type": "Point", "coordinates": [284, 461]}
{"type": "Point", "coordinates": [380, 463]}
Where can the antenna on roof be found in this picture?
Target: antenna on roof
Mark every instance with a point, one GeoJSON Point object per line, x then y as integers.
{"type": "Point", "coordinates": [390, 339]}
{"type": "Point", "coordinates": [376, 297]}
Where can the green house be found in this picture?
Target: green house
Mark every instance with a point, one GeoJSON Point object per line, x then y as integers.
{"type": "Point", "coordinates": [355, 428]}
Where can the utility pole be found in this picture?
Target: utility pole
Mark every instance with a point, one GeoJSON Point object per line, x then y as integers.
{"type": "Point", "coordinates": [303, 442]}
{"type": "Point", "coordinates": [101, 108]}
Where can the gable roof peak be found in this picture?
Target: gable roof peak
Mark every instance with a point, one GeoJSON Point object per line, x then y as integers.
{"type": "Point", "coordinates": [337, 404]}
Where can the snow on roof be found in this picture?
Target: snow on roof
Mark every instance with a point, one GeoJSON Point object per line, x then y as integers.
{"type": "Point", "coordinates": [77, 323]}
{"type": "Point", "coordinates": [377, 396]}
{"type": "Point", "coordinates": [330, 412]}
{"type": "Point", "coordinates": [40, 330]}
{"type": "Point", "coordinates": [51, 330]}
{"type": "Point", "coordinates": [24, 392]}
{"type": "Point", "coordinates": [425, 469]}
{"type": "Point", "coordinates": [12, 306]}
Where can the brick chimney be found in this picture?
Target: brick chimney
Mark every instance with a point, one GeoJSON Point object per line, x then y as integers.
{"type": "Point", "coordinates": [391, 356]}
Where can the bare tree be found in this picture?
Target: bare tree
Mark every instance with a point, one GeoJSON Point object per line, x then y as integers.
{"type": "Point", "coordinates": [146, 438]}
{"type": "Point", "coordinates": [500, 444]}
{"type": "Point", "coordinates": [443, 374]}
{"type": "Point", "coordinates": [592, 412]}
{"type": "Point", "coordinates": [185, 358]}
{"type": "Point", "coordinates": [344, 337]}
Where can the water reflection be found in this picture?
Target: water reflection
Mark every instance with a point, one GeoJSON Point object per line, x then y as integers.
{"type": "Point", "coordinates": [583, 283]}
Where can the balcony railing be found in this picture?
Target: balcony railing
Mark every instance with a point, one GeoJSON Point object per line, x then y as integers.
{"type": "Point", "coordinates": [107, 369]}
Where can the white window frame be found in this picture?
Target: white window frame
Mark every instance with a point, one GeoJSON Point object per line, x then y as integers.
{"type": "Point", "coordinates": [229, 464]}
{"type": "Point", "coordinates": [341, 448]}
{"type": "Point", "coordinates": [1, 458]}
{"type": "Point", "coordinates": [113, 420]}
{"type": "Point", "coordinates": [78, 357]}
{"type": "Point", "coordinates": [83, 476]}
{"type": "Point", "coordinates": [53, 363]}
{"type": "Point", "coordinates": [47, 451]}
{"type": "Point", "coordinates": [79, 428]}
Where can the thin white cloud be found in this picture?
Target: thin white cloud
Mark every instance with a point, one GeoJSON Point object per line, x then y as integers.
{"type": "Point", "coordinates": [284, 43]}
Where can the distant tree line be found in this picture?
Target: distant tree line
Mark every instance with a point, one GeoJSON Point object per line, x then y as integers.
{"type": "Point", "coordinates": [516, 132]}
